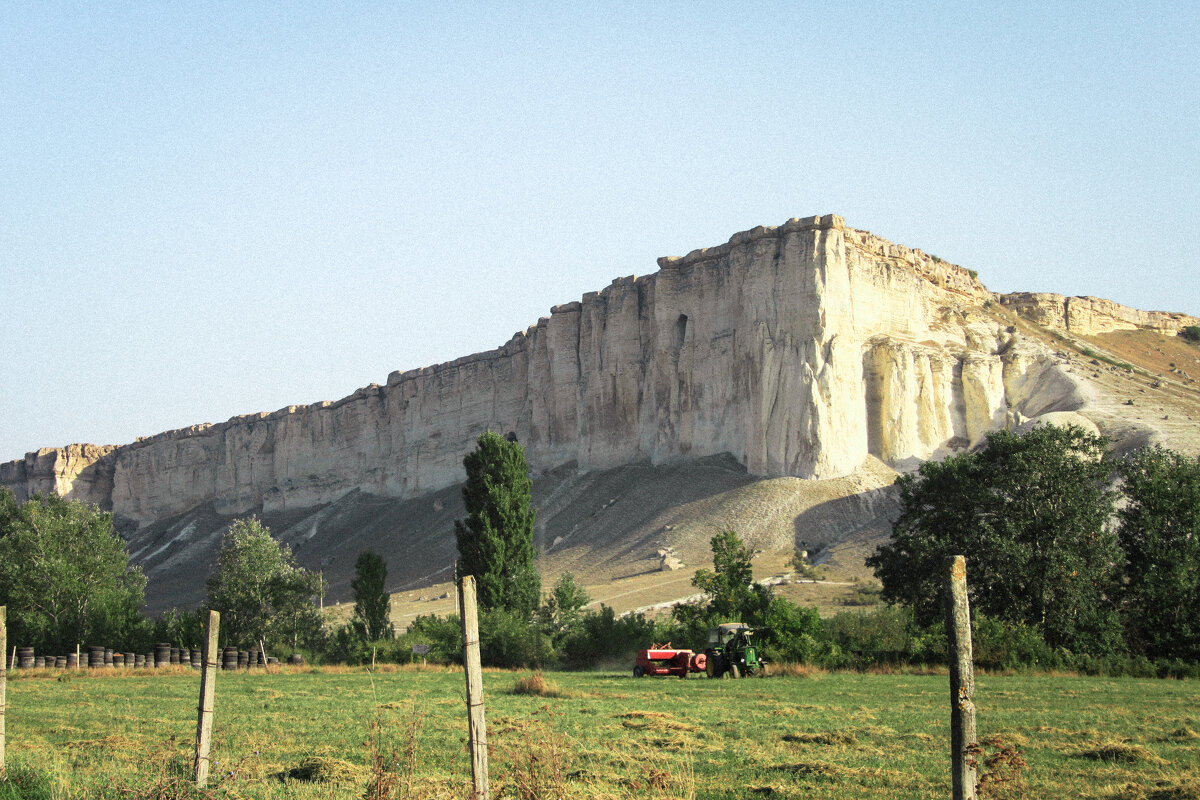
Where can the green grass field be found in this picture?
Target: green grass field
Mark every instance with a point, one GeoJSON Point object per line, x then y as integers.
{"type": "Point", "coordinates": [838, 735]}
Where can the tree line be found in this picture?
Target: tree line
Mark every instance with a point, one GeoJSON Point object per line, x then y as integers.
{"type": "Point", "coordinates": [1076, 559]}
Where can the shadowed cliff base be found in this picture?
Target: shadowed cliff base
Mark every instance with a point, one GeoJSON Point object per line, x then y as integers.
{"type": "Point", "coordinates": [611, 528]}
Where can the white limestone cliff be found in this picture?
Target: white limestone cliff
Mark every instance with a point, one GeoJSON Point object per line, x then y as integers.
{"type": "Point", "coordinates": [798, 349]}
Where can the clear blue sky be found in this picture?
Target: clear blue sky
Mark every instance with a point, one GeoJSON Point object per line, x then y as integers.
{"type": "Point", "coordinates": [221, 208]}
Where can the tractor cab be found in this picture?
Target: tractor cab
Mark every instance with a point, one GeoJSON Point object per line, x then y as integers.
{"type": "Point", "coordinates": [725, 633]}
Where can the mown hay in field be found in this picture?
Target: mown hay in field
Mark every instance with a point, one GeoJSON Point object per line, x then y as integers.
{"type": "Point", "coordinates": [394, 704]}
{"type": "Point", "coordinates": [824, 737]}
{"type": "Point", "coordinates": [654, 720]}
{"type": "Point", "coordinates": [324, 769]}
{"type": "Point", "coordinates": [1088, 733]}
{"type": "Point", "coordinates": [115, 741]}
{"type": "Point", "coordinates": [536, 684]}
{"type": "Point", "coordinates": [877, 730]}
{"type": "Point", "coordinates": [1181, 734]}
{"type": "Point", "coordinates": [812, 769]}
{"type": "Point", "coordinates": [1161, 790]}
{"type": "Point", "coordinates": [1121, 752]}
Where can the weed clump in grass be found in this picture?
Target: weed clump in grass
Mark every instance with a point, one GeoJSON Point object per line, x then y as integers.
{"type": "Point", "coordinates": [792, 669]}
{"type": "Point", "coordinates": [540, 763]}
{"type": "Point", "coordinates": [536, 684]}
{"type": "Point", "coordinates": [27, 783]}
{"type": "Point", "coordinates": [999, 765]}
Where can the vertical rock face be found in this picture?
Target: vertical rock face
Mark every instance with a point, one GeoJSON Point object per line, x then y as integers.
{"type": "Point", "coordinates": [81, 471]}
{"type": "Point", "coordinates": [798, 349]}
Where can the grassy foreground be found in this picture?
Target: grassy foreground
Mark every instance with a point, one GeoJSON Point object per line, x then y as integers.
{"type": "Point", "coordinates": [316, 734]}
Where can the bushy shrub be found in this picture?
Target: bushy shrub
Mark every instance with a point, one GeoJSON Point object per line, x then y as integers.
{"type": "Point", "coordinates": [603, 639]}
{"type": "Point", "coordinates": [509, 639]}
{"type": "Point", "coordinates": [885, 635]}
{"type": "Point", "coordinates": [1002, 644]}
{"type": "Point", "coordinates": [443, 636]}
{"type": "Point", "coordinates": [1191, 333]}
{"type": "Point", "coordinates": [349, 645]}
{"type": "Point", "coordinates": [792, 633]}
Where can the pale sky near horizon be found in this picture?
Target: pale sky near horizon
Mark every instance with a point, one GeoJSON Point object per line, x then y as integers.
{"type": "Point", "coordinates": [217, 209]}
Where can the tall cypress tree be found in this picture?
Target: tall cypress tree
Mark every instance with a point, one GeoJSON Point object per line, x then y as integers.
{"type": "Point", "coordinates": [371, 602]}
{"type": "Point", "coordinates": [495, 541]}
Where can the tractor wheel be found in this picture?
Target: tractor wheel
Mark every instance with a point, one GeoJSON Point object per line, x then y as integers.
{"type": "Point", "coordinates": [639, 671]}
{"type": "Point", "coordinates": [734, 672]}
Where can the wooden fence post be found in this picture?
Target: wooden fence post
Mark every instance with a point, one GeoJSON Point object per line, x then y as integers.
{"type": "Point", "coordinates": [208, 691]}
{"type": "Point", "coordinates": [962, 684]}
{"type": "Point", "coordinates": [3, 681]}
{"type": "Point", "coordinates": [476, 726]}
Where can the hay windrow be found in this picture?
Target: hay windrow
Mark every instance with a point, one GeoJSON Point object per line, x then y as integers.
{"type": "Point", "coordinates": [825, 737]}
{"type": "Point", "coordinates": [1181, 734]}
{"type": "Point", "coordinates": [324, 769]}
{"type": "Point", "coordinates": [1161, 790]}
{"type": "Point", "coordinates": [654, 720]}
{"type": "Point", "coordinates": [810, 768]}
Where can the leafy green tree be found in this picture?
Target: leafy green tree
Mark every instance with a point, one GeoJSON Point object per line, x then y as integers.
{"type": "Point", "coordinates": [792, 632]}
{"type": "Point", "coordinates": [262, 594]}
{"type": "Point", "coordinates": [1160, 536]}
{"type": "Point", "coordinates": [65, 575]}
{"type": "Point", "coordinates": [603, 638]}
{"type": "Point", "coordinates": [181, 627]}
{"type": "Point", "coordinates": [561, 611]}
{"type": "Point", "coordinates": [372, 604]}
{"type": "Point", "coordinates": [732, 593]}
{"type": "Point", "coordinates": [495, 541]}
{"type": "Point", "coordinates": [1191, 333]}
{"type": "Point", "coordinates": [1030, 513]}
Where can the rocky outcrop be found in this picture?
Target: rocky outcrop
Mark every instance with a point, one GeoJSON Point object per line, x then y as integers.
{"type": "Point", "coordinates": [80, 471]}
{"type": "Point", "coordinates": [799, 349]}
{"type": "Point", "coordinates": [1089, 316]}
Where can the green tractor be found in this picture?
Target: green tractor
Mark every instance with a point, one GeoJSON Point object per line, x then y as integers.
{"type": "Point", "coordinates": [730, 652]}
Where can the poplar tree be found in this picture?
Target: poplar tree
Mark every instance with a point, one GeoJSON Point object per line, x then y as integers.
{"type": "Point", "coordinates": [495, 541]}
{"type": "Point", "coordinates": [371, 602]}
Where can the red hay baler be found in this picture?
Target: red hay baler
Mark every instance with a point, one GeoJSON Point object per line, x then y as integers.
{"type": "Point", "coordinates": [662, 659]}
